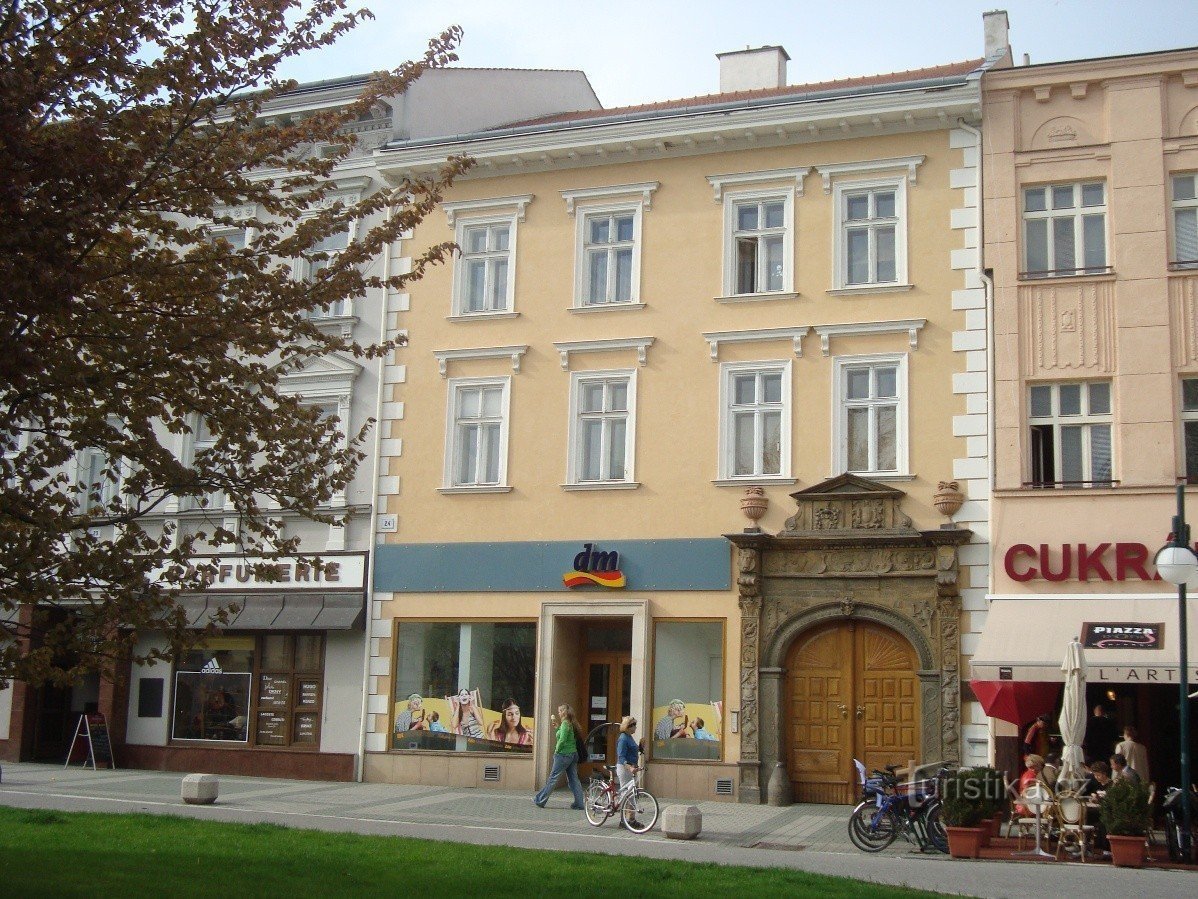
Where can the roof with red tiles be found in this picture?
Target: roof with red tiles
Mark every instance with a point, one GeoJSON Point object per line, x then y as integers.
{"type": "Point", "coordinates": [949, 70]}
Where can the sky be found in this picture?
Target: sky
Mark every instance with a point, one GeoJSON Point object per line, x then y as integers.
{"type": "Point", "coordinates": [637, 52]}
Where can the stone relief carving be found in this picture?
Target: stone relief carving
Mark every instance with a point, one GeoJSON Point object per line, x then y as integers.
{"type": "Point", "coordinates": [827, 518]}
{"type": "Point", "coordinates": [1067, 327]}
{"type": "Point", "coordinates": [842, 561]}
{"type": "Point", "coordinates": [950, 683]}
{"type": "Point", "coordinates": [868, 514]}
{"type": "Point", "coordinates": [749, 585]}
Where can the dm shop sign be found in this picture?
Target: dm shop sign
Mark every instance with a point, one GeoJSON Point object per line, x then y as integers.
{"type": "Point", "coordinates": [1122, 635]}
{"type": "Point", "coordinates": [594, 566]}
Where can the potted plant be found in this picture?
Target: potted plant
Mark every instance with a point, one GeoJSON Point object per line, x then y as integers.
{"type": "Point", "coordinates": [996, 803]}
{"type": "Point", "coordinates": [1126, 816]}
{"type": "Point", "coordinates": [964, 807]}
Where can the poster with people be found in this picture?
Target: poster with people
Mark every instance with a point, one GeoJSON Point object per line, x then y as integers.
{"type": "Point", "coordinates": [461, 714]}
{"type": "Point", "coordinates": [688, 729]}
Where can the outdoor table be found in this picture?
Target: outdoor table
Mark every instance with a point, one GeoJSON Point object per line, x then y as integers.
{"type": "Point", "coordinates": [1036, 797]}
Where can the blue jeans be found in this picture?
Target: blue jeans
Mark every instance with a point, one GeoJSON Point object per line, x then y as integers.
{"type": "Point", "coordinates": [566, 763]}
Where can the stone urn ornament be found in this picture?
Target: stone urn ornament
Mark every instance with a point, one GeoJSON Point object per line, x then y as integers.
{"type": "Point", "coordinates": [753, 504]}
{"type": "Point", "coordinates": [948, 500]}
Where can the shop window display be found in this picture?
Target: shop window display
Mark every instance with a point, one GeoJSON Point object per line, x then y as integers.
{"type": "Point", "coordinates": [688, 689]}
{"type": "Point", "coordinates": [266, 691]}
{"type": "Point", "coordinates": [212, 691]}
{"type": "Point", "coordinates": [464, 687]}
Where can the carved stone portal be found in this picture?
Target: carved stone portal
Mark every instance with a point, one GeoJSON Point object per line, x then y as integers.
{"type": "Point", "coordinates": [848, 553]}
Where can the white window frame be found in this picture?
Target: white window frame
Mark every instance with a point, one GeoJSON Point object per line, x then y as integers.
{"type": "Point", "coordinates": [1188, 416]}
{"type": "Point", "coordinates": [574, 463]}
{"type": "Point", "coordinates": [216, 498]}
{"type": "Point", "coordinates": [1085, 420]}
{"type": "Point", "coordinates": [732, 199]}
{"type": "Point", "coordinates": [342, 308]}
{"type": "Point", "coordinates": [449, 484]}
{"type": "Point", "coordinates": [111, 489]}
{"type": "Point", "coordinates": [582, 269]}
{"type": "Point", "coordinates": [460, 259]}
{"type": "Point", "coordinates": [1181, 208]}
{"type": "Point", "coordinates": [841, 365]}
{"type": "Point", "coordinates": [727, 442]}
{"type": "Point", "coordinates": [1077, 213]}
{"type": "Point", "coordinates": [840, 192]}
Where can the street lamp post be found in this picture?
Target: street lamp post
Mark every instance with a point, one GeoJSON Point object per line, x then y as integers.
{"type": "Point", "coordinates": [1177, 564]}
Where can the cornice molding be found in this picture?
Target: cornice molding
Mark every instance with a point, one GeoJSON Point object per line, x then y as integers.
{"type": "Point", "coordinates": [640, 344]}
{"type": "Point", "coordinates": [795, 335]}
{"type": "Point", "coordinates": [515, 353]}
{"type": "Point", "coordinates": [679, 131]}
{"type": "Point", "coordinates": [756, 179]}
{"type": "Point", "coordinates": [869, 167]}
{"type": "Point", "coordinates": [518, 204]}
{"type": "Point", "coordinates": [911, 326]}
{"type": "Point", "coordinates": [615, 192]}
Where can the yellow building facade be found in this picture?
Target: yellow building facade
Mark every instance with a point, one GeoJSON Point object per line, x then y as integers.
{"type": "Point", "coordinates": [766, 299]}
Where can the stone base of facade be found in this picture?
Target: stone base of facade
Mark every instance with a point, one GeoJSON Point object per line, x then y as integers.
{"type": "Point", "coordinates": [451, 769]}
{"type": "Point", "coordinates": [251, 762]}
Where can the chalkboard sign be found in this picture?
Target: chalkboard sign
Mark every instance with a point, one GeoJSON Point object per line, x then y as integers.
{"type": "Point", "coordinates": [309, 693]}
{"type": "Point", "coordinates": [274, 691]}
{"type": "Point", "coordinates": [305, 729]}
{"type": "Point", "coordinates": [91, 741]}
{"type": "Point", "coordinates": [272, 729]}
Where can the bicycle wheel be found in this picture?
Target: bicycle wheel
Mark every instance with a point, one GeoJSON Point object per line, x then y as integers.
{"type": "Point", "coordinates": [639, 811]}
{"type": "Point", "coordinates": [937, 835]}
{"type": "Point", "coordinates": [597, 804]}
{"type": "Point", "coordinates": [870, 828]}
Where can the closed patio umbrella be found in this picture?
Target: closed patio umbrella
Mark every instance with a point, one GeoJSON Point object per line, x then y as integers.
{"type": "Point", "coordinates": [1073, 713]}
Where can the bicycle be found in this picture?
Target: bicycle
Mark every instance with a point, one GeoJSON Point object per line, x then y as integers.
{"type": "Point", "coordinates": [636, 805]}
{"type": "Point", "coordinates": [890, 808]}
{"type": "Point", "coordinates": [1177, 841]}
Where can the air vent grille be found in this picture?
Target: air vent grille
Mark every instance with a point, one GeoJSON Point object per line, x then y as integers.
{"type": "Point", "coordinates": [723, 786]}
{"type": "Point", "coordinates": [491, 772]}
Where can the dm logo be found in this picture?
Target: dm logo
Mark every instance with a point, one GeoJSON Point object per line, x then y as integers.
{"type": "Point", "coordinates": [594, 567]}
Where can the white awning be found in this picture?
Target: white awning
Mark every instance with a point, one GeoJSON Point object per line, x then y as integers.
{"type": "Point", "coordinates": [297, 611]}
{"type": "Point", "coordinates": [1025, 640]}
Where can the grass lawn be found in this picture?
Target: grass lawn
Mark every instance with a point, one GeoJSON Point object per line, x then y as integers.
{"type": "Point", "coordinates": [76, 854]}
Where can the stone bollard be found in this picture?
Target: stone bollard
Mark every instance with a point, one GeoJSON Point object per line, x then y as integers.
{"type": "Point", "coordinates": [681, 822]}
{"type": "Point", "coordinates": [200, 789]}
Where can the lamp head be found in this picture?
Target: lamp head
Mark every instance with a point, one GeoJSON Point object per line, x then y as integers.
{"type": "Point", "coordinates": [1177, 565]}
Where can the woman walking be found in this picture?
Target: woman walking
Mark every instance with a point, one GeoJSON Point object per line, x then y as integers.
{"type": "Point", "coordinates": [570, 739]}
{"type": "Point", "coordinates": [627, 757]}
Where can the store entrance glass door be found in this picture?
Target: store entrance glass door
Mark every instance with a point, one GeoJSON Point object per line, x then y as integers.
{"type": "Point", "coordinates": [605, 675]}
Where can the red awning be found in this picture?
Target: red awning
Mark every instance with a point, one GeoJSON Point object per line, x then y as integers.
{"type": "Point", "coordinates": [1016, 701]}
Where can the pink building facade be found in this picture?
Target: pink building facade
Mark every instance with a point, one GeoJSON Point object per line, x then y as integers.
{"type": "Point", "coordinates": [1090, 239]}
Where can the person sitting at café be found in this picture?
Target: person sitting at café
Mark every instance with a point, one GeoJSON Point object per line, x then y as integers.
{"type": "Point", "coordinates": [1095, 787]}
{"type": "Point", "coordinates": [1121, 771]}
{"type": "Point", "coordinates": [1052, 770]}
{"type": "Point", "coordinates": [1032, 773]}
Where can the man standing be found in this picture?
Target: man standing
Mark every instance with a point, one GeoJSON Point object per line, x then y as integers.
{"type": "Point", "coordinates": [1135, 753]}
{"type": "Point", "coordinates": [1101, 734]}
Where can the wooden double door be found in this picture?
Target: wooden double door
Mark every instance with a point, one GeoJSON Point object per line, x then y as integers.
{"type": "Point", "coordinates": [851, 692]}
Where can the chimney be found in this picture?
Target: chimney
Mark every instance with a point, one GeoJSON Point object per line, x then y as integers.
{"type": "Point", "coordinates": [751, 70]}
{"type": "Point", "coordinates": [996, 29]}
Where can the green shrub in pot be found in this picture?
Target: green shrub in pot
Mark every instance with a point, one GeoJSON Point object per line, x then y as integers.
{"type": "Point", "coordinates": [964, 801]}
{"type": "Point", "coordinates": [1124, 809]}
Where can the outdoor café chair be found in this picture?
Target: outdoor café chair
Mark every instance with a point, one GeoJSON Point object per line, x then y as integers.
{"type": "Point", "coordinates": [1071, 822]}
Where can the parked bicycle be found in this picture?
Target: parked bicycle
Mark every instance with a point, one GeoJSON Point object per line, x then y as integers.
{"type": "Point", "coordinates": [636, 806]}
{"type": "Point", "coordinates": [890, 808]}
{"type": "Point", "coordinates": [1176, 839]}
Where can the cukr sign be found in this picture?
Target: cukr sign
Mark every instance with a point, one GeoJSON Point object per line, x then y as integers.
{"type": "Point", "coordinates": [1079, 562]}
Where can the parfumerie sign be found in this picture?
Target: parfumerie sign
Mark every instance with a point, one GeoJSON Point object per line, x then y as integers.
{"type": "Point", "coordinates": [249, 573]}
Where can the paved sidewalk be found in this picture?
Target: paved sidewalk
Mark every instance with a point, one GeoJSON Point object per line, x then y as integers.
{"type": "Point", "coordinates": [807, 837]}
